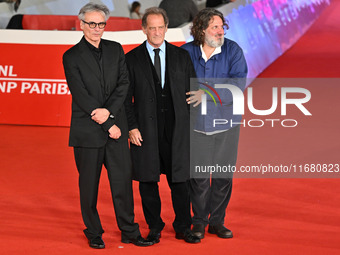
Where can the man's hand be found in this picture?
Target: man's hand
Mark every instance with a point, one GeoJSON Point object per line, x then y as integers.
{"type": "Point", "coordinates": [195, 97]}
{"type": "Point", "coordinates": [114, 132]}
{"type": "Point", "coordinates": [135, 137]}
{"type": "Point", "coordinates": [100, 115]}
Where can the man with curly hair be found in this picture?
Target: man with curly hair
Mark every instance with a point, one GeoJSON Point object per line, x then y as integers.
{"type": "Point", "coordinates": [215, 58]}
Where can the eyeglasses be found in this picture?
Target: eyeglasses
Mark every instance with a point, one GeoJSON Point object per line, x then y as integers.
{"type": "Point", "coordinates": [101, 25]}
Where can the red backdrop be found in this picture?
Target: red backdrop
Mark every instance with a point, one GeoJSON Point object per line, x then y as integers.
{"type": "Point", "coordinates": [33, 89]}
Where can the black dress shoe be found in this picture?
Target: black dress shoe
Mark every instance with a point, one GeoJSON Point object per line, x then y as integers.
{"type": "Point", "coordinates": [153, 236]}
{"type": "Point", "coordinates": [139, 241]}
{"type": "Point", "coordinates": [198, 230]}
{"type": "Point", "coordinates": [188, 237]}
{"type": "Point", "coordinates": [97, 243]}
{"type": "Point", "coordinates": [220, 231]}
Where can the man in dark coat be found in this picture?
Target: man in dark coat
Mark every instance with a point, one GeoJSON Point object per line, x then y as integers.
{"type": "Point", "coordinates": [97, 77]}
{"type": "Point", "coordinates": [158, 119]}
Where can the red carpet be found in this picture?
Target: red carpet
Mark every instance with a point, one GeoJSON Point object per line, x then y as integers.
{"type": "Point", "coordinates": [39, 200]}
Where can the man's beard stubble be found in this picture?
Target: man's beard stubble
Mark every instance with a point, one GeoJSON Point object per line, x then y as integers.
{"type": "Point", "coordinates": [213, 43]}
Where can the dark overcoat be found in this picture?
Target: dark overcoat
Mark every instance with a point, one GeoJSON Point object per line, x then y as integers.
{"type": "Point", "coordinates": [141, 109]}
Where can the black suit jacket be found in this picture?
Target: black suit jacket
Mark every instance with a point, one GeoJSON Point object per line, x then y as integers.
{"type": "Point", "coordinates": [91, 90]}
{"type": "Point", "coordinates": [142, 112]}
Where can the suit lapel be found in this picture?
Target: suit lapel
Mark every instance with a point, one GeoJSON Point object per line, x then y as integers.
{"type": "Point", "coordinates": [143, 58]}
{"type": "Point", "coordinates": [170, 62]}
{"type": "Point", "coordinates": [88, 58]}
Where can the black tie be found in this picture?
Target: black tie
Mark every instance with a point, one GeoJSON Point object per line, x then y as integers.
{"type": "Point", "coordinates": [157, 63]}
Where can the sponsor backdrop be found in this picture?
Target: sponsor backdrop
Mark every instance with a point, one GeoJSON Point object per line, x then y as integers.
{"type": "Point", "coordinates": [33, 89]}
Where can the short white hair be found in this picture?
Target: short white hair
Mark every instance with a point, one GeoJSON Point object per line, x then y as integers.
{"type": "Point", "coordinates": [92, 7]}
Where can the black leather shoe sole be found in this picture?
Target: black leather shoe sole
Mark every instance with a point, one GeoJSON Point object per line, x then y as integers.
{"type": "Point", "coordinates": [200, 235]}
{"type": "Point", "coordinates": [96, 245]}
{"type": "Point", "coordinates": [153, 240]}
{"type": "Point", "coordinates": [226, 235]}
{"type": "Point", "coordinates": [137, 243]}
{"type": "Point", "coordinates": [198, 231]}
{"type": "Point", "coordinates": [153, 237]}
{"type": "Point", "coordinates": [189, 239]}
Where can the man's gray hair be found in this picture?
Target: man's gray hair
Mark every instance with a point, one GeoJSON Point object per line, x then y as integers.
{"type": "Point", "coordinates": [156, 11]}
{"type": "Point", "coordinates": [92, 7]}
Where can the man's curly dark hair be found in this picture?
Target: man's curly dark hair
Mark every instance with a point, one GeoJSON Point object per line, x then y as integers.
{"type": "Point", "coordinates": [201, 23]}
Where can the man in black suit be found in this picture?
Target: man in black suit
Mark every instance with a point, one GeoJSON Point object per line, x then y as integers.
{"type": "Point", "coordinates": [97, 77]}
{"type": "Point", "coordinates": [158, 119]}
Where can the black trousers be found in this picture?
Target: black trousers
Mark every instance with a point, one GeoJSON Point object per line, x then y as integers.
{"type": "Point", "coordinates": [210, 192]}
{"type": "Point", "coordinates": [116, 159]}
{"type": "Point", "coordinates": [151, 201]}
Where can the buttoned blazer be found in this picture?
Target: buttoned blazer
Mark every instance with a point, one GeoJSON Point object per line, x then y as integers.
{"type": "Point", "coordinates": [90, 90]}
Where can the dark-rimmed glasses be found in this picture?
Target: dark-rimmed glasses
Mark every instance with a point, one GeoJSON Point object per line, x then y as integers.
{"type": "Point", "coordinates": [92, 24]}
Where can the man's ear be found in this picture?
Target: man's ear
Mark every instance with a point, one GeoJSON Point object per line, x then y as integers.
{"type": "Point", "coordinates": [144, 30]}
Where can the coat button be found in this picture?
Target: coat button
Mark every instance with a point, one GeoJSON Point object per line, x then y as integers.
{"type": "Point", "coordinates": [151, 100]}
{"type": "Point", "coordinates": [151, 117]}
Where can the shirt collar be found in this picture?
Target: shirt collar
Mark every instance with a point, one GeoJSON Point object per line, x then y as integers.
{"type": "Point", "coordinates": [217, 50]}
{"type": "Point", "coordinates": [151, 48]}
{"type": "Point", "coordinates": [93, 47]}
